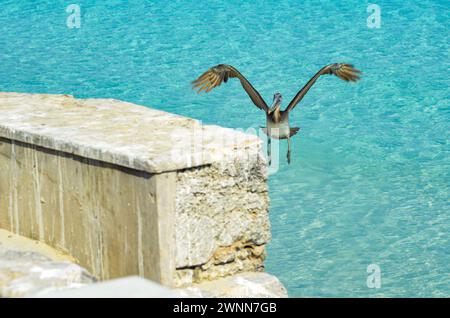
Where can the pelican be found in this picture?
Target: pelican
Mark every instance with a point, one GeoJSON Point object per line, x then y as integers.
{"type": "Point", "coordinates": [277, 121]}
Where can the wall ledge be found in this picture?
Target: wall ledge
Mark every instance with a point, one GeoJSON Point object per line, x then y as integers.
{"type": "Point", "coordinates": [117, 132]}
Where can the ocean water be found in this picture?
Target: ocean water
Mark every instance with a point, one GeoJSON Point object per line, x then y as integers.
{"type": "Point", "coordinates": [370, 177]}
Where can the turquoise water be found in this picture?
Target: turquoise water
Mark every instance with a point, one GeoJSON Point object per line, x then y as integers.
{"type": "Point", "coordinates": [370, 178]}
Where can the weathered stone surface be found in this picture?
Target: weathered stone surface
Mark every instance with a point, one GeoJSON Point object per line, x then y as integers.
{"type": "Point", "coordinates": [116, 132]}
{"type": "Point", "coordinates": [222, 221]}
{"type": "Point", "coordinates": [244, 285]}
{"type": "Point", "coordinates": [31, 268]}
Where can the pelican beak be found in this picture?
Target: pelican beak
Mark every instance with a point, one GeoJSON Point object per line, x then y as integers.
{"type": "Point", "coordinates": [276, 103]}
{"type": "Point", "coordinates": [272, 108]}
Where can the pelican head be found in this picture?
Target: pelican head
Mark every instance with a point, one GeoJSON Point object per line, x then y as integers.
{"type": "Point", "coordinates": [277, 99]}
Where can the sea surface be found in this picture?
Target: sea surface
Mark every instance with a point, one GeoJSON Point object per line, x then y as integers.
{"type": "Point", "coordinates": [370, 177]}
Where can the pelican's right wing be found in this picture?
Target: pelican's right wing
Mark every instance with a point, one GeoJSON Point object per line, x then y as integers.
{"type": "Point", "coordinates": [220, 73]}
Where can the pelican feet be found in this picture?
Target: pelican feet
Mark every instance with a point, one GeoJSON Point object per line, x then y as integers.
{"type": "Point", "coordinates": [288, 155]}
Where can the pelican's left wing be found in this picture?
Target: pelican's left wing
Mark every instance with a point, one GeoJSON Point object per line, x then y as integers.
{"type": "Point", "coordinates": [344, 71]}
{"type": "Point", "coordinates": [220, 73]}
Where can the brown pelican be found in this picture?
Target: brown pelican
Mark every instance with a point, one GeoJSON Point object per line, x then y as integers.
{"type": "Point", "coordinates": [277, 120]}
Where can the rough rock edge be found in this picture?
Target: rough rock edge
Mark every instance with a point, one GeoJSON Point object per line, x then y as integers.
{"type": "Point", "coordinates": [226, 261]}
{"type": "Point", "coordinates": [230, 238]}
{"type": "Point", "coordinates": [26, 273]}
{"type": "Point", "coordinates": [243, 285]}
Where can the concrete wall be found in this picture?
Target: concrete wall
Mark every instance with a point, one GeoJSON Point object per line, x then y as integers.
{"type": "Point", "coordinates": [129, 190]}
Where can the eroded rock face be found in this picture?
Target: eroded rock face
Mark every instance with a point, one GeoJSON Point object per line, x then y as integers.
{"type": "Point", "coordinates": [28, 273]}
{"type": "Point", "coordinates": [222, 222]}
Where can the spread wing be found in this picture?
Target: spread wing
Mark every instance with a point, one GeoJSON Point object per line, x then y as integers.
{"type": "Point", "coordinates": [221, 73]}
{"type": "Point", "coordinates": [344, 71]}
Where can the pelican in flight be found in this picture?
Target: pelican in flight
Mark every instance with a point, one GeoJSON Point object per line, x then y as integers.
{"type": "Point", "coordinates": [277, 121]}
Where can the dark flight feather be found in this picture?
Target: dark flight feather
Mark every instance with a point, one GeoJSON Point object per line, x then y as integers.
{"type": "Point", "coordinates": [344, 71]}
{"type": "Point", "coordinates": [221, 73]}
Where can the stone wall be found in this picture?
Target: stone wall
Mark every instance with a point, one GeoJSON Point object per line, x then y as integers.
{"type": "Point", "coordinates": [129, 190]}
